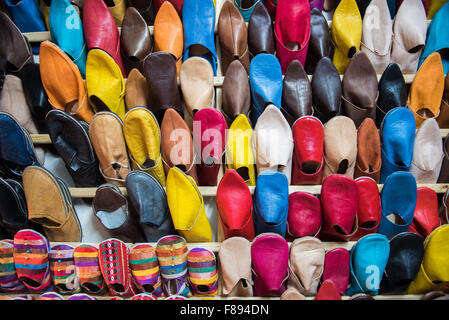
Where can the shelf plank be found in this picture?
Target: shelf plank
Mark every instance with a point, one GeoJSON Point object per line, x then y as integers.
{"type": "Point", "coordinates": [212, 191]}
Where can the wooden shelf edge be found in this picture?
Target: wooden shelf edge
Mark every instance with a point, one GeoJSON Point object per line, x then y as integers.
{"type": "Point", "coordinates": [212, 191]}
{"type": "Point", "coordinates": [105, 297]}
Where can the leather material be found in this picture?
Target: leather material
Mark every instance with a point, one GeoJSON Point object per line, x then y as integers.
{"type": "Point", "coordinates": [292, 31]}
{"type": "Point", "coordinates": [292, 294]}
{"type": "Point", "coordinates": [135, 40]}
{"type": "Point", "coordinates": [320, 44]}
{"type": "Point", "coordinates": [145, 8]}
{"type": "Point", "coordinates": [147, 197]}
{"type": "Point", "coordinates": [13, 207]}
{"type": "Point", "coordinates": [236, 95]}
{"type": "Point", "coordinates": [443, 117]}
{"type": "Point", "coordinates": [392, 91]}
{"type": "Point", "coordinates": [316, 4]}
{"type": "Point", "coordinates": [197, 84]}
{"type": "Point", "coordinates": [406, 253]}
{"type": "Point", "coordinates": [71, 140]}
{"type": "Point", "coordinates": [346, 17]}
{"type": "Point", "coordinates": [377, 34]}
{"type": "Point", "coordinates": [66, 30]}
{"type": "Point", "coordinates": [100, 30]}
{"type": "Point", "coordinates": [308, 153]}
{"type": "Point", "coordinates": [260, 31]}
{"type": "Point", "coordinates": [270, 260]}
{"type": "Point", "coordinates": [13, 102]}
{"type": "Point", "coordinates": [239, 150]}
{"type": "Point", "coordinates": [110, 207]}
{"type": "Point", "coordinates": [433, 7]}
{"type": "Point", "coordinates": [427, 153]}
{"type": "Point", "coordinates": [136, 94]}
{"type": "Point", "coordinates": [428, 79]}
{"type": "Point", "coordinates": [296, 93]}
{"type": "Point", "coordinates": [369, 155]}
{"type": "Point", "coordinates": [199, 31]}
{"type": "Point", "coordinates": [233, 36]}
{"type": "Point", "coordinates": [328, 291]}
{"type": "Point", "coordinates": [177, 4]}
{"type": "Point", "coordinates": [246, 8]}
{"type": "Point", "coordinates": [437, 40]}
{"type": "Point", "coordinates": [271, 203]}
{"type": "Point", "coordinates": [273, 143]}
{"type": "Point", "coordinates": [398, 197]}
{"type": "Point", "coordinates": [340, 147]}
{"type": "Point", "coordinates": [265, 79]}
{"type": "Point", "coordinates": [186, 206]}
{"type": "Point", "coordinates": [35, 94]}
{"type": "Point", "coordinates": [426, 216]}
{"type": "Point", "coordinates": [168, 32]}
{"type": "Point", "coordinates": [369, 207]}
{"type": "Point", "coordinates": [339, 203]}
{"type": "Point", "coordinates": [397, 137]}
{"type": "Point", "coordinates": [177, 146]}
{"type": "Point", "coordinates": [433, 274]}
{"type": "Point", "coordinates": [52, 209]}
{"type": "Point", "coordinates": [143, 139]}
{"type": "Point", "coordinates": [369, 257]}
{"type": "Point", "coordinates": [306, 265]}
{"type": "Point", "coordinates": [444, 172]}
{"type": "Point", "coordinates": [336, 268]}
{"type": "Point", "coordinates": [160, 72]}
{"type": "Point", "coordinates": [16, 149]}
{"type": "Point", "coordinates": [409, 35]}
{"type": "Point", "coordinates": [212, 142]}
{"type": "Point", "coordinates": [271, 7]}
{"type": "Point", "coordinates": [15, 48]}
{"type": "Point", "coordinates": [106, 134]}
{"type": "Point", "coordinates": [235, 206]}
{"type": "Point", "coordinates": [105, 83]}
{"type": "Point", "coordinates": [304, 215]}
{"type": "Point", "coordinates": [326, 90]}
{"type": "Point", "coordinates": [359, 89]}
{"type": "Point", "coordinates": [26, 15]}
{"type": "Point", "coordinates": [235, 264]}
{"type": "Point", "coordinates": [63, 82]}
{"type": "Point", "coordinates": [118, 9]}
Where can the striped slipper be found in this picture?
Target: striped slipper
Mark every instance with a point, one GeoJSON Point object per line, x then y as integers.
{"type": "Point", "coordinates": [51, 296]}
{"type": "Point", "coordinates": [115, 298]}
{"type": "Point", "coordinates": [81, 296]}
{"type": "Point", "coordinates": [62, 269]}
{"type": "Point", "coordinates": [114, 266]}
{"type": "Point", "coordinates": [8, 277]}
{"type": "Point", "coordinates": [176, 297]}
{"type": "Point", "coordinates": [87, 268]}
{"type": "Point", "coordinates": [172, 256]}
{"type": "Point", "coordinates": [31, 260]}
{"type": "Point", "coordinates": [203, 276]}
{"type": "Point", "coordinates": [144, 296]}
{"type": "Point", "coordinates": [145, 269]}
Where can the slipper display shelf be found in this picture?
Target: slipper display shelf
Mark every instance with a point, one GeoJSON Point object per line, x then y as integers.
{"type": "Point", "coordinates": [37, 37]}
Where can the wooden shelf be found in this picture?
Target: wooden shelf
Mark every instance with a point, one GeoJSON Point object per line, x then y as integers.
{"type": "Point", "coordinates": [212, 191]}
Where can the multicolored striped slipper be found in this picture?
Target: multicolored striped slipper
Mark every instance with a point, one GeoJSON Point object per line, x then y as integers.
{"type": "Point", "coordinates": [85, 257]}
{"type": "Point", "coordinates": [31, 260]}
{"type": "Point", "coordinates": [81, 296]}
{"type": "Point", "coordinates": [144, 296]}
{"type": "Point", "coordinates": [203, 276]}
{"type": "Point", "coordinates": [115, 298]}
{"type": "Point", "coordinates": [114, 266]}
{"type": "Point", "coordinates": [62, 269]}
{"type": "Point", "coordinates": [172, 256]}
{"type": "Point", "coordinates": [145, 269]}
{"type": "Point", "coordinates": [51, 296]}
{"type": "Point", "coordinates": [8, 277]}
{"type": "Point", "coordinates": [176, 297]}
{"type": "Point", "coordinates": [24, 297]}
